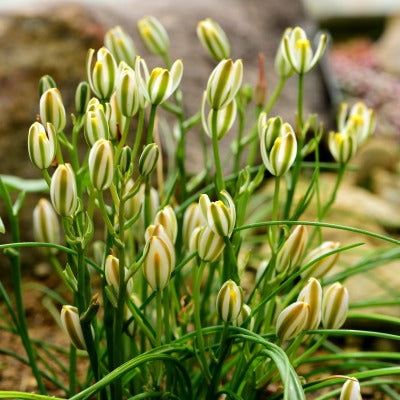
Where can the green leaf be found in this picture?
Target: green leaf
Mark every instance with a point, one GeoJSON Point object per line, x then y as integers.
{"type": "Point", "coordinates": [2, 227]}
{"type": "Point", "coordinates": [27, 185]}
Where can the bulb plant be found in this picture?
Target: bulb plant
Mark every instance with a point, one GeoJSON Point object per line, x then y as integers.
{"type": "Point", "coordinates": [160, 306]}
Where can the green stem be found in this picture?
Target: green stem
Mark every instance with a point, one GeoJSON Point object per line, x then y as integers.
{"type": "Point", "coordinates": [139, 131]}
{"type": "Point", "coordinates": [300, 104]}
{"type": "Point", "coordinates": [273, 237]}
{"type": "Point", "coordinates": [46, 176]}
{"type": "Point", "coordinates": [218, 170]}
{"type": "Point", "coordinates": [159, 318]}
{"type": "Point", "coordinates": [72, 370]}
{"type": "Point", "coordinates": [150, 128]}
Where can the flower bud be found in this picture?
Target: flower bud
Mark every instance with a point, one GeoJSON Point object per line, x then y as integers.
{"type": "Point", "coordinates": [95, 124]}
{"type": "Point", "coordinates": [204, 204]}
{"type": "Point", "coordinates": [46, 82]}
{"type": "Point", "coordinates": [111, 272]}
{"type": "Point", "coordinates": [154, 35]}
{"type": "Point", "coordinates": [127, 91]}
{"type": "Point", "coordinates": [278, 144]}
{"type": "Point", "coordinates": [148, 159]}
{"type": "Point", "coordinates": [229, 301]}
{"type": "Point", "coordinates": [292, 320]}
{"type": "Point", "coordinates": [72, 326]}
{"type": "Point", "coordinates": [45, 224]}
{"type": "Point", "coordinates": [213, 39]}
{"type": "Point", "coordinates": [297, 50]}
{"type": "Point", "coordinates": [103, 77]}
{"type": "Point", "coordinates": [167, 218]}
{"type": "Point", "coordinates": [245, 313]}
{"type": "Point", "coordinates": [42, 146]}
{"type": "Point", "coordinates": [335, 306]}
{"type": "Point", "coordinates": [282, 65]}
{"type": "Point", "coordinates": [342, 146]}
{"type": "Point", "coordinates": [292, 251]}
{"type": "Point", "coordinates": [101, 164]}
{"type": "Point", "coordinates": [52, 109]}
{"type": "Point", "coordinates": [117, 122]}
{"type": "Point", "coordinates": [82, 97]}
{"type": "Point", "coordinates": [157, 266]}
{"type": "Point", "coordinates": [351, 390]}
{"type": "Point", "coordinates": [224, 82]}
{"type": "Point", "coordinates": [312, 295]}
{"type": "Point", "coordinates": [207, 243]}
{"type": "Point", "coordinates": [191, 220]}
{"type": "Point", "coordinates": [320, 268]}
{"type": "Point", "coordinates": [120, 45]}
{"type": "Point", "coordinates": [63, 191]}
{"type": "Point", "coordinates": [125, 159]}
{"type": "Point", "coordinates": [159, 230]}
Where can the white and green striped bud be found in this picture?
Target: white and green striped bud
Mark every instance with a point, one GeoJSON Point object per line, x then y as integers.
{"type": "Point", "coordinates": [342, 145]}
{"type": "Point", "coordinates": [157, 266]}
{"type": "Point", "coordinates": [95, 123]}
{"type": "Point", "coordinates": [142, 75]}
{"type": "Point", "coordinates": [282, 66]}
{"type": "Point", "coordinates": [127, 91]}
{"type": "Point", "coordinates": [46, 227]}
{"type": "Point", "coordinates": [297, 50]}
{"type": "Point", "coordinates": [148, 159]}
{"type": "Point", "coordinates": [229, 301]}
{"type": "Point", "coordinates": [292, 320]}
{"type": "Point", "coordinates": [224, 83]}
{"type": "Point", "coordinates": [208, 244]}
{"type": "Point", "coordinates": [52, 109]}
{"type": "Point", "coordinates": [71, 324]}
{"type": "Point", "coordinates": [82, 97]}
{"type": "Point", "coordinates": [204, 204]}
{"type": "Point", "coordinates": [312, 295]}
{"type": "Point", "coordinates": [46, 82]}
{"type": "Point", "coordinates": [42, 145]}
{"type": "Point", "coordinates": [120, 44]}
{"type": "Point", "coordinates": [351, 390]}
{"type": "Point", "coordinates": [245, 313]}
{"type": "Point", "coordinates": [219, 121]}
{"type": "Point", "coordinates": [159, 230]}
{"type": "Point", "coordinates": [191, 220]}
{"type": "Point", "coordinates": [125, 159]}
{"type": "Point", "coordinates": [101, 164]}
{"type": "Point", "coordinates": [111, 272]}
{"type": "Point", "coordinates": [290, 254]}
{"type": "Point", "coordinates": [153, 35]}
{"type": "Point", "coordinates": [117, 122]}
{"type": "Point", "coordinates": [321, 267]}
{"type": "Point", "coordinates": [278, 144]}
{"type": "Point", "coordinates": [167, 218]}
{"type": "Point", "coordinates": [335, 306]}
{"type": "Point", "coordinates": [213, 39]}
{"type": "Point", "coordinates": [102, 78]}
{"type": "Point", "coordinates": [63, 191]}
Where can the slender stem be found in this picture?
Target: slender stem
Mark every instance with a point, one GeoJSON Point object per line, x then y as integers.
{"type": "Point", "coordinates": [122, 142]}
{"type": "Point", "coordinates": [72, 370]}
{"type": "Point", "coordinates": [300, 104]}
{"type": "Point", "coordinates": [236, 163]}
{"type": "Point", "coordinates": [46, 176]}
{"type": "Point", "coordinates": [218, 169]}
{"type": "Point", "coordinates": [311, 350]}
{"type": "Point", "coordinates": [139, 131]}
{"type": "Point", "coordinates": [159, 317]}
{"type": "Point", "coordinates": [150, 128]}
{"type": "Point", "coordinates": [273, 237]}
{"type": "Point", "coordinates": [104, 214]}
{"type": "Point", "coordinates": [139, 320]}
{"type": "Point", "coordinates": [166, 304]}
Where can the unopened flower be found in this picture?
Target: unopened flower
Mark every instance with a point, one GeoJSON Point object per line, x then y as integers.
{"type": "Point", "coordinates": [82, 97]}
{"type": "Point", "coordinates": [245, 313]}
{"type": "Point", "coordinates": [117, 122]}
{"type": "Point", "coordinates": [52, 109]}
{"type": "Point", "coordinates": [213, 39]}
{"type": "Point", "coordinates": [45, 223]}
{"type": "Point", "coordinates": [342, 145]}
{"type": "Point", "coordinates": [42, 145]}
{"type": "Point", "coordinates": [101, 164]}
{"type": "Point", "coordinates": [167, 218]}
{"type": "Point", "coordinates": [111, 272]}
{"type": "Point", "coordinates": [292, 320]}
{"type": "Point", "coordinates": [95, 123]}
{"type": "Point", "coordinates": [229, 301]}
{"type": "Point", "coordinates": [351, 390]}
{"type": "Point", "coordinates": [72, 326]}
{"type": "Point", "coordinates": [335, 306]}
{"type": "Point", "coordinates": [282, 66]}
{"type": "Point", "coordinates": [103, 77]}
{"type": "Point", "coordinates": [208, 244]}
{"type": "Point", "coordinates": [154, 35]}
{"type": "Point", "coordinates": [46, 82]}
{"type": "Point", "coordinates": [320, 268]}
{"type": "Point", "coordinates": [125, 159]}
{"type": "Point", "coordinates": [278, 144]}
{"type": "Point", "coordinates": [312, 295]}
{"type": "Point", "coordinates": [63, 191]}
{"type": "Point", "coordinates": [297, 49]}
{"type": "Point", "coordinates": [120, 44]}
{"type": "Point", "coordinates": [127, 91]}
{"type": "Point", "coordinates": [191, 220]}
{"type": "Point", "coordinates": [148, 159]}
{"type": "Point", "coordinates": [159, 230]}
{"type": "Point", "coordinates": [224, 83]}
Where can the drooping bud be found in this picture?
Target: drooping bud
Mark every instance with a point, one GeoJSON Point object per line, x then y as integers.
{"type": "Point", "coordinates": [154, 35]}
{"type": "Point", "coordinates": [224, 82]}
{"type": "Point", "coordinates": [342, 145]}
{"type": "Point", "coordinates": [312, 295]}
{"type": "Point", "coordinates": [282, 66]}
{"type": "Point", "coordinates": [292, 251]}
{"type": "Point", "coordinates": [42, 145]}
{"type": "Point", "coordinates": [297, 50]}
{"type": "Point", "coordinates": [320, 268]}
{"type": "Point", "coordinates": [45, 224]}
{"type": "Point", "coordinates": [95, 123]}
{"type": "Point", "coordinates": [52, 109]}
{"type": "Point", "coordinates": [121, 45]}
{"type": "Point", "coordinates": [292, 320]}
{"type": "Point", "coordinates": [351, 390]}
{"type": "Point", "coordinates": [117, 122]}
{"type": "Point", "coordinates": [72, 326]}
{"type": "Point", "coordinates": [335, 306]}
{"type": "Point", "coordinates": [82, 97]}
{"type": "Point", "coordinates": [46, 82]}
{"type": "Point", "coordinates": [127, 91]}
{"type": "Point", "coordinates": [157, 266]}
{"type": "Point", "coordinates": [63, 191]}
{"type": "Point", "coordinates": [229, 301]}
{"type": "Point", "coordinates": [111, 272]}
{"type": "Point", "coordinates": [103, 77]}
{"type": "Point", "coordinates": [213, 39]}
{"type": "Point", "coordinates": [101, 164]}
{"type": "Point", "coordinates": [191, 220]}
{"type": "Point", "coordinates": [208, 244]}
{"type": "Point", "coordinates": [167, 218]}
{"type": "Point", "coordinates": [148, 159]}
